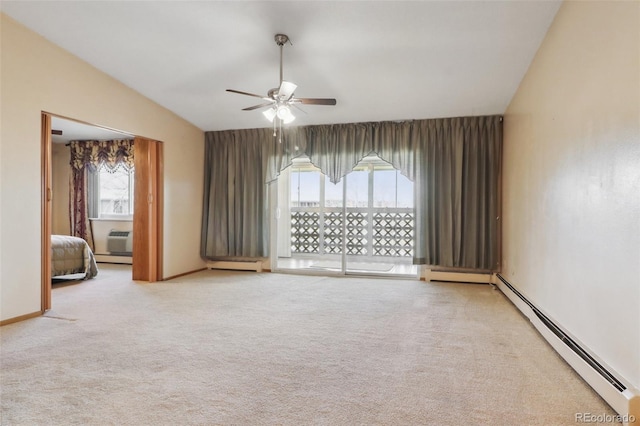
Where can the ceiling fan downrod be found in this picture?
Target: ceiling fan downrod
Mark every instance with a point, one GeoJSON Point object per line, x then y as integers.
{"type": "Point", "coordinates": [281, 39]}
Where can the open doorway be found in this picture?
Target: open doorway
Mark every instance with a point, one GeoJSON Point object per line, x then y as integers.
{"type": "Point", "coordinates": [110, 193]}
{"type": "Point", "coordinates": [109, 200]}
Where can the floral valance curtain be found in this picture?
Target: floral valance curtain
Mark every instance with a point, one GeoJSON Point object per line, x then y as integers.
{"type": "Point", "coordinates": [87, 157]}
{"type": "Point", "coordinates": [94, 154]}
{"type": "Point", "coordinates": [453, 162]}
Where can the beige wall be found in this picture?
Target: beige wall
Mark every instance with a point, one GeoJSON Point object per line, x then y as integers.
{"type": "Point", "coordinates": [39, 76]}
{"type": "Point", "coordinates": [571, 183]}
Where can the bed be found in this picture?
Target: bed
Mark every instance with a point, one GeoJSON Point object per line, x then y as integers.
{"type": "Point", "coordinates": [72, 255]}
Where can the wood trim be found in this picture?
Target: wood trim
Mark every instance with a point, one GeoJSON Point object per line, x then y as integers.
{"type": "Point", "coordinates": [46, 212]}
{"type": "Point", "coordinates": [141, 245]}
{"type": "Point", "coordinates": [159, 226]}
{"type": "Point", "coordinates": [500, 219]}
{"type": "Point", "coordinates": [21, 318]}
{"type": "Point", "coordinates": [148, 210]}
{"type": "Point", "coordinates": [125, 135]}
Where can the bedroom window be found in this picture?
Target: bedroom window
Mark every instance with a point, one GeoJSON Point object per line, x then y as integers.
{"type": "Point", "coordinates": [111, 193]}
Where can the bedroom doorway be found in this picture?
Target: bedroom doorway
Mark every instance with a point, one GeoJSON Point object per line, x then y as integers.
{"type": "Point", "coordinates": [361, 225]}
{"type": "Point", "coordinates": [148, 198]}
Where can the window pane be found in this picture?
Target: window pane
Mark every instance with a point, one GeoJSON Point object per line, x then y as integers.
{"type": "Point", "coordinates": [305, 188]}
{"type": "Point", "coordinates": [332, 193]}
{"type": "Point", "coordinates": [294, 179]}
{"type": "Point", "coordinates": [391, 188]}
{"type": "Point", "coordinates": [384, 188]}
{"type": "Point", "coordinates": [115, 189]}
{"type": "Point", "coordinates": [358, 189]}
{"type": "Point", "coordinates": [132, 175]}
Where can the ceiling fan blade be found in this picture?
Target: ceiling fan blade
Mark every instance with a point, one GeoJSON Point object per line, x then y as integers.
{"type": "Point", "coordinates": [315, 101]}
{"type": "Point", "coordinates": [251, 108]}
{"type": "Point", "coordinates": [285, 92]}
{"type": "Point", "coordinates": [246, 93]}
{"type": "Point", "coordinates": [298, 108]}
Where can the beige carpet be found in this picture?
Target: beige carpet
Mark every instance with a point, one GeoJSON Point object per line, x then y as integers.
{"type": "Point", "coordinates": [241, 348]}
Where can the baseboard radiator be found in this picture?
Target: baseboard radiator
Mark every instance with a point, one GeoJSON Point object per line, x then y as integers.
{"type": "Point", "coordinates": [623, 398]}
{"type": "Point", "coordinates": [456, 276]}
{"type": "Point", "coordinates": [236, 265]}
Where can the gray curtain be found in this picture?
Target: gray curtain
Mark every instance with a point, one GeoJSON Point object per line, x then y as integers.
{"type": "Point", "coordinates": [234, 219]}
{"type": "Point", "coordinates": [454, 164]}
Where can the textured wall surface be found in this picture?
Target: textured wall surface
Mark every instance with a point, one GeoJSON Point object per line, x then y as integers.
{"type": "Point", "coordinates": [571, 183]}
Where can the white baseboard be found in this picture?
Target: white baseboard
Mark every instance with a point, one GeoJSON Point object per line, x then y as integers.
{"type": "Point", "coordinates": [235, 265]}
{"type": "Point", "coordinates": [625, 402]}
{"type": "Point", "coordinates": [460, 277]}
{"type": "Point", "coordinates": [107, 258]}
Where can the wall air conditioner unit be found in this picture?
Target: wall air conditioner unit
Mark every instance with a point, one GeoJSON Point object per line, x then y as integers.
{"type": "Point", "coordinates": [120, 243]}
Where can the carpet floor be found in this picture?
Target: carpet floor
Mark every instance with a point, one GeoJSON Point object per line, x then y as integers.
{"type": "Point", "coordinates": [242, 348]}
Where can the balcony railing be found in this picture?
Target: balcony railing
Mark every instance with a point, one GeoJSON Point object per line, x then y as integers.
{"type": "Point", "coordinates": [370, 232]}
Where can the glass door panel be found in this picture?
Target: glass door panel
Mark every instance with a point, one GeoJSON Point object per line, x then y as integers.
{"type": "Point", "coordinates": [310, 220]}
{"type": "Point", "coordinates": [380, 226]}
{"type": "Point", "coordinates": [332, 219]}
{"type": "Point", "coordinates": [361, 225]}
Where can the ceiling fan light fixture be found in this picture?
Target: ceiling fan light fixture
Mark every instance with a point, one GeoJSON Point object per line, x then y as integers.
{"type": "Point", "coordinates": [270, 114]}
{"type": "Point", "coordinates": [279, 100]}
{"type": "Point", "coordinates": [284, 114]}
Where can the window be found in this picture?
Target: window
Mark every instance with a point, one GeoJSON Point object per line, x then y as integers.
{"type": "Point", "coordinates": [372, 183]}
{"type": "Point", "coordinates": [305, 186]}
{"type": "Point", "coordinates": [375, 214]}
{"type": "Point", "coordinates": [111, 193]}
{"type": "Point", "coordinates": [391, 188]}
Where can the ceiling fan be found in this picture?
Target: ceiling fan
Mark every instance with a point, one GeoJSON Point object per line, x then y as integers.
{"type": "Point", "coordinates": [282, 98]}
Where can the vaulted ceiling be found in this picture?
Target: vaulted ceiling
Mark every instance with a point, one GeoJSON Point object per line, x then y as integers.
{"type": "Point", "coordinates": [389, 60]}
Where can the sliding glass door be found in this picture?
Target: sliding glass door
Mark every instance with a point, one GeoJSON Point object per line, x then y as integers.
{"type": "Point", "coordinates": [309, 220]}
{"type": "Point", "coordinates": [362, 224]}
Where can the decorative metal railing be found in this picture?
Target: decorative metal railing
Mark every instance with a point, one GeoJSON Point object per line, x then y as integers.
{"type": "Point", "coordinates": [369, 232]}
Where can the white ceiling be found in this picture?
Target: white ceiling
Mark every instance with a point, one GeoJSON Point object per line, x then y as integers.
{"type": "Point", "coordinates": [389, 60]}
{"type": "Point", "coordinates": [75, 131]}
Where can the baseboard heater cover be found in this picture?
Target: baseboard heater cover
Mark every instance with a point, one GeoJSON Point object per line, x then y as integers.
{"type": "Point", "coordinates": [624, 399]}
{"type": "Point", "coordinates": [235, 265]}
{"type": "Point", "coordinates": [456, 276]}
{"type": "Point", "coordinates": [109, 258]}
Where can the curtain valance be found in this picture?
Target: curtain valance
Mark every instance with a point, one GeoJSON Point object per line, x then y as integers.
{"type": "Point", "coordinates": [94, 154]}
{"type": "Point", "coordinates": [86, 158]}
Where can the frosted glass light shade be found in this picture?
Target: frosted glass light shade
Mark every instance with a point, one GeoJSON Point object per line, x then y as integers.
{"type": "Point", "coordinates": [284, 114]}
{"type": "Point", "coordinates": [270, 114]}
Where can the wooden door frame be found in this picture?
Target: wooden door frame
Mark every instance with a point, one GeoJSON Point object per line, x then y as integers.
{"type": "Point", "coordinates": [46, 214]}
{"type": "Point", "coordinates": [148, 204]}
{"type": "Point", "coordinates": [151, 230]}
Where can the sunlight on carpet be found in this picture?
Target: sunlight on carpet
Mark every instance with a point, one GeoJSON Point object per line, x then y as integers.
{"type": "Point", "coordinates": [336, 265]}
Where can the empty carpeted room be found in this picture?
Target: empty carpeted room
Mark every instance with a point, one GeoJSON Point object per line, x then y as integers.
{"type": "Point", "coordinates": [291, 212]}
